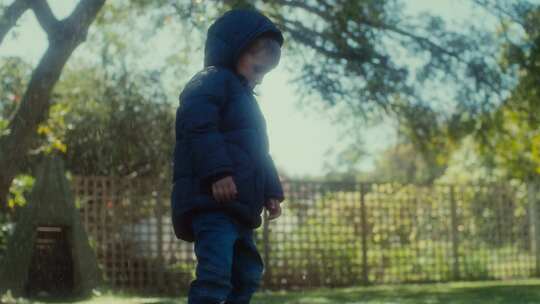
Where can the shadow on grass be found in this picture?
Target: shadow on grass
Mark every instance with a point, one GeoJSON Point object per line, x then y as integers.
{"type": "Point", "coordinates": [108, 300]}
{"type": "Point", "coordinates": [461, 293]}
{"type": "Point", "coordinates": [57, 299]}
{"type": "Point", "coordinates": [495, 292]}
{"type": "Point", "coordinates": [107, 297]}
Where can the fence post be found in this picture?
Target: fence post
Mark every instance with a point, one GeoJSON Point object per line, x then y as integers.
{"type": "Point", "coordinates": [159, 230]}
{"type": "Point", "coordinates": [454, 234]}
{"type": "Point", "coordinates": [532, 190]}
{"type": "Point", "coordinates": [266, 250]}
{"type": "Point", "coordinates": [363, 216]}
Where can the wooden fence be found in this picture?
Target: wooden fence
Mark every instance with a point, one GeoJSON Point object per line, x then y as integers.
{"type": "Point", "coordinates": [331, 234]}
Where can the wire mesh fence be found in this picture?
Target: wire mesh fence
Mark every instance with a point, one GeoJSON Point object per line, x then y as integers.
{"type": "Point", "coordinates": [330, 234]}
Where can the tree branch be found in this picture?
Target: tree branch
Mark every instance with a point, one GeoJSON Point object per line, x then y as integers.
{"type": "Point", "coordinates": [83, 15]}
{"type": "Point", "coordinates": [371, 23]}
{"type": "Point", "coordinates": [499, 11]}
{"type": "Point", "coordinates": [45, 16]}
{"type": "Point", "coordinates": [308, 37]}
{"type": "Point", "coordinates": [11, 14]}
{"type": "Point", "coordinates": [421, 40]}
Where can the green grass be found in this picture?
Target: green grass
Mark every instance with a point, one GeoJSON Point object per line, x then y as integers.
{"type": "Point", "coordinates": [514, 292]}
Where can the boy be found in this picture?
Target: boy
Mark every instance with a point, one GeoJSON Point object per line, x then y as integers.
{"type": "Point", "coordinates": [223, 173]}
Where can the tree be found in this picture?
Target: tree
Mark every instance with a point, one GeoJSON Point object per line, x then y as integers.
{"type": "Point", "coordinates": [64, 37]}
{"type": "Point", "coordinates": [403, 164]}
{"type": "Point", "coordinates": [118, 126]}
{"type": "Point", "coordinates": [510, 137]}
{"type": "Point", "coordinates": [350, 53]}
{"type": "Point", "coordinates": [353, 52]}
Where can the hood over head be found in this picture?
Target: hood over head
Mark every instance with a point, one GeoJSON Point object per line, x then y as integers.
{"type": "Point", "coordinates": [232, 32]}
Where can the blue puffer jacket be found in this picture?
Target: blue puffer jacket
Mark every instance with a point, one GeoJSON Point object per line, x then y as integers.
{"type": "Point", "coordinates": [220, 130]}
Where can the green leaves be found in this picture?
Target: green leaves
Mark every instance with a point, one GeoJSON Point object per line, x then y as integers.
{"type": "Point", "coordinates": [118, 123]}
{"type": "Point", "coordinates": [54, 129]}
{"type": "Point", "coordinates": [14, 76]}
{"type": "Point", "coordinates": [20, 187]}
{"type": "Point", "coordinates": [512, 132]}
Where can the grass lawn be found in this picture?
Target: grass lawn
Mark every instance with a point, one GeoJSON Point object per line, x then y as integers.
{"type": "Point", "coordinates": [522, 291]}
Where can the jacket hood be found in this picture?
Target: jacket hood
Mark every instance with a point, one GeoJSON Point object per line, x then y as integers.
{"type": "Point", "coordinates": [232, 32]}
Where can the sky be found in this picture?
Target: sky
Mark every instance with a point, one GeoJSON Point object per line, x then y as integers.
{"type": "Point", "coordinates": [299, 140]}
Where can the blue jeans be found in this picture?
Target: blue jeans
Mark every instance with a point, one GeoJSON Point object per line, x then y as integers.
{"type": "Point", "coordinates": [229, 267]}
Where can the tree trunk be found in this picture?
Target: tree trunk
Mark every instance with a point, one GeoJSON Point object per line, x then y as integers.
{"type": "Point", "coordinates": [12, 13]}
{"type": "Point", "coordinates": [64, 37]}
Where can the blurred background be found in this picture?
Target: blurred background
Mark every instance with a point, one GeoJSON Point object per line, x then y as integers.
{"type": "Point", "coordinates": [406, 134]}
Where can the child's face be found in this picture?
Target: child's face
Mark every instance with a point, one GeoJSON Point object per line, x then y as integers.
{"type": "Point", "coordinates": [254, 65]}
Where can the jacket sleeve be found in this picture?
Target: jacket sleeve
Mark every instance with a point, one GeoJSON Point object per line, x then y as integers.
{"type": "Point", "coordinates": [200, 117]}
{"type": "Point", "coordinates": [273, 188]}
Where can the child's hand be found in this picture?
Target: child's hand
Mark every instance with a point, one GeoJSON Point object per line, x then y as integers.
{"type": "Point", "coordinates": [274, 208]}
{"type": "Point", "coordinates": [224, 190]}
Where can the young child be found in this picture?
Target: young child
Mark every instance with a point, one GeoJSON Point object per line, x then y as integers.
{"type": "Point", "coordinates": [223, 173]}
